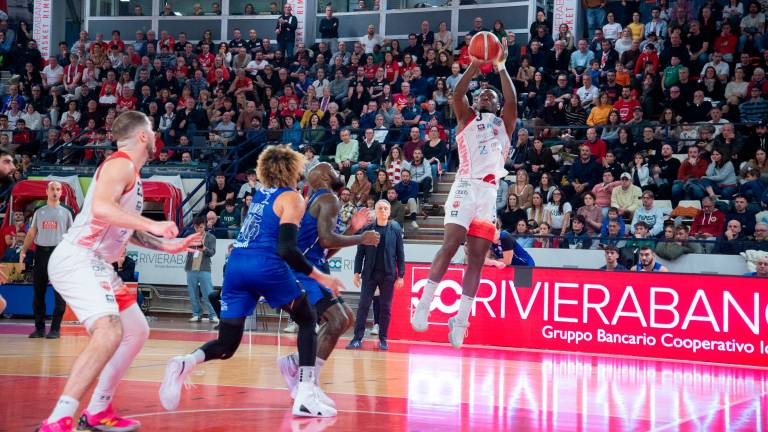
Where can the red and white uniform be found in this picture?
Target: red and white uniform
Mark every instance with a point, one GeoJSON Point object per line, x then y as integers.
{"type": "Point", "coordinates": [80, 267]}
{"type": "Point", "coordinates": [483, 146]}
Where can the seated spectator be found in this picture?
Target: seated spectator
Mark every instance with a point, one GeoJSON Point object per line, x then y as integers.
{"type": "Point", "coordinates": [614, 233]}
{"type": "Point", "coordinates": [652, 216]}
{"type": "Point", "coordinates": [732, 241]}
{"type": "Point", "coordinates": [511, 214]}
{"type": "Point", "coordinates": [398, 209]}
{"type": "Point", "coordinates": [545, 239]}
{"type": "Point", "coordinates": [602, 192]}
{"type": "Point", "coordinates": [688, 184]}
{"type": "Point", "coordinates": [346, 153]}
{"type": "Point", "coordinates": [229, 218]}
{"type": "Point", "coordinates": [591, 213]}
{"type": "Point", "coordinates": [522, 234]}
{"type": "Point", "coordinates": [369, 155]}
{"type": "Point", "coordinates": [537, 213]}
{"type": "Point", "coordinates": [361, 188]}
{"type": "Point", "coordinates": [408, 193]}
{"type": "Point", "coordinates": [720, 178]}
{"type": "Point", "coordinates": [577, 237]}
{"type": "Point", "coordinates": [348, 208]}
{"type": "Point", "coordinates": [395, 164]}
{"type": "Point", "coordinates": [421, 173]}
{"type": "Point", "coordinates": [709, 223]}
{"type": "Point", "coordinates": [761, 268]}
{"type": "Point", "coordinates": [558, 213]}
{"type": "Point", "coordinates": [742, 213]}
{"type": "Point", "coordinates": [219, 193]}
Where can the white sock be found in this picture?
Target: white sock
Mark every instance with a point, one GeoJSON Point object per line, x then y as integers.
{"type": "Point", "coordinates": [196, 357]}
{"type": "Point", "coordinates": [319, 363]}
{"type": "Point", "coordinates": [429, 292]}
{"type": "Point", "coordinates": [307, 374]}
{"type": "Point", "coordinates": [135, 333]}
{"type": "Point", "coordinates": [65, 407]}
{"type": "Point", "coordinates": [465, 306]}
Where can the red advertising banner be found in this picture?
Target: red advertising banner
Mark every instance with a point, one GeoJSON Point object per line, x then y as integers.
{"type": "Point", "coordinates": [719, 319]}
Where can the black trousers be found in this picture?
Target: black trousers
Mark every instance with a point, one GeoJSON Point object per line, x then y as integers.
{"type": "Point", "coordinates": [40, 283]}
{"type": "Point", "coordinates": [386, 286]}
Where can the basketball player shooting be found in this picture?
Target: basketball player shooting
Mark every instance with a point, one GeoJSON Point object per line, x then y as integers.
{"type": "Point", "coordinates": [483, 145]}
{"type": "Point", "coordinates": [81, 271]}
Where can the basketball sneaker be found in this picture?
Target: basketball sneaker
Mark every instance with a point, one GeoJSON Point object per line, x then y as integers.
{"type": "Point", "coordinates": [106, 420]}
{"type": "Point", "coordinates": [307, 402]}
{"type": "Point", "coordinates": [176, 373]}
{"type": "Point", "coordinates": [456, 332]}
{"type": "Point", "coordinates": [420, 315]}
{"type": "Point", "coordinates": [63, 425]}
{"type": "Point", "coordinates": [290, 371]}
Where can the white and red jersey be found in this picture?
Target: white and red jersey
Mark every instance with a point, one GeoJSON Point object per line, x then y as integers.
{"type": "Point", "coordinates": [104, 240]}
{"type": "Point", "coordinates": [483, 147]}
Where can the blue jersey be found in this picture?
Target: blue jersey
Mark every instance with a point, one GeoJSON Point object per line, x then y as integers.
{"type": "Point", "coordinates": [261, 226]}
{"type": "Point", "coordinates": [254, 269]}
{"type": "Point", "coordinates": [308, 239]}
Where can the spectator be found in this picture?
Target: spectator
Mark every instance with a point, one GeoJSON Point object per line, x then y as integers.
{"type": "Point", "coordinates": [408, 192]}
{"type": "Point", "coordinates": [394, 164]}
{"type": "Point", "coordinates": [511, 213]}
{"type": "Point", "coordinates": [370, 39]}
{"type": "Point", "coordinates": [545, 238]}
{"type": "Point", "coordinates": [613, 230]}
{"type": "Point", "coordinates": [286, 31]}
{"type": "Point", "coordinates": [329, 28]}
{"type": "Point", "coordinates": [379, 268]}
{"type": "Point", "coordinates": [709, 223]}
{"type": "Point", "coordinates": [230, 218]}
{"type": "Point", "coordinates": [732, 241]}
{"type": "Point", "coordinates": [348, 208]}
{"type": "Point", "coordinates": [720, 178]}
{"type": "Point", "coordinates": [220, 193]}
{"type": "Point", "coordinates": [689, 177]}
{"type": "Point", "coordinates": [347, 153]}
{"type": "Point", "coordinates": [361, 188]}
{"type": "Point", "coordinates": [582, 175]}
{"type": "Point", "coordinates": [676, 245]}
{"type": "Point", "coordinates": [558, 212]}
{"type": "Point", "coordinates": [421, 174]}
{"type": "Point", "coordinates": [397, 209]}
{"type": "Point", "coordinates": [198, 268]}
{"type": "Point", "coordinates": [648, 213]}
{"type": "Point", "coordinates": [369, 154]}
{"type": "Point", "coordinates": [592, 214]}
{"type": "Point", "coordinates": [756, 108]}
{"type": "Point", "coordinates": [743, 214]}
{"type": "Point", "coordinates": [577, 237]}
{"type": "Point", "coordinates": [381, 185]}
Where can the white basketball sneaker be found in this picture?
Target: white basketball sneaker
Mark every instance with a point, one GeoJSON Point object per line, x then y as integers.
{"type": "Point", "coordinates": [421, 314]}
{"type": "Point", "coordinates": [176, 373]}
{"type": "Point", "coordinates": [457, 331]}
{"type": "Point", "coordinates": [307, 402]}
{"type": "Point", "coordinates": [290, 371]}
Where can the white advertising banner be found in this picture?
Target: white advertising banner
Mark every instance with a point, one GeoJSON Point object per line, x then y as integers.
{"type": "Point", "coordinates": [299, 8]}
{"type": "Point", "coordinates": [41, 25]}
{"type": "Point", "coordinates": [566, 12]}
{"type": "Point", "coordinates": [158, 268]}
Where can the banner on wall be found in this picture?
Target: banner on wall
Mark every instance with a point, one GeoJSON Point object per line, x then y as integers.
{"type": "Point", "coordinates": [299, 8]}
{"type": "Point", "coordinates": [718, 319]}
{"type": "Point", "coordinates": [565, 12]}
{"type": "Point", "coordinates": [41, 25]}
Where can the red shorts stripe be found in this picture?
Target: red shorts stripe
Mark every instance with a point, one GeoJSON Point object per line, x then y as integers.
{"type": "Point", "coordinates": [482, 229]}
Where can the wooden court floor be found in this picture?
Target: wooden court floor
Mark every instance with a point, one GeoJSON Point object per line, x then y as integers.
{"type": "Point", "coordinates": [413, 387]}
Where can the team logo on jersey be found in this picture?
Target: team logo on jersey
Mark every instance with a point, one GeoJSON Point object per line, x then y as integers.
{"type": "Point", "coordinates": [106, 286]}
{"type": "Point", "coordinates": [497, 121]}
{"type": "Point", "coordinates": [480, 126]}
{"type": "Point", "coordinates": [456, 204]}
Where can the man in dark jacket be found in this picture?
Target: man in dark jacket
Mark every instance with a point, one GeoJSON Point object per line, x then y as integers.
{"type": "Point", "coordinates": [582, 176]}
{"type": "Point", "coordinates": [198, 268]}
{"type": "Point", "coordinates": [368, 155]}
{"type": "Point", "coordinates": [379, 267]}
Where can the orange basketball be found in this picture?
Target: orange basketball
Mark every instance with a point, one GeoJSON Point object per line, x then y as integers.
{"type": "Point", "coordinates": [485, 46]}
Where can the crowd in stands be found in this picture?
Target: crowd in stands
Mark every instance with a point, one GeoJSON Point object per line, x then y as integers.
{"type": "Point", "coordinates": [655, 103]}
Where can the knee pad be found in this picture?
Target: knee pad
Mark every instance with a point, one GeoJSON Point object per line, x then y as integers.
{"type": "Point", "coordinates": [301, 311]}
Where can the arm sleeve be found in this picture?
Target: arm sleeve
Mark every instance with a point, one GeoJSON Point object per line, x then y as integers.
{"type": "Point", "coordinates": [210, 245]}
{"type": "Point", "coordinates": [289, 251]}
{"type": "Point", "coordinates": [400, 253]}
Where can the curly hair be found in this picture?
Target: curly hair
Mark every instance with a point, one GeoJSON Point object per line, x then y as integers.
{"type": "Point", "coordinates": [280, 166]}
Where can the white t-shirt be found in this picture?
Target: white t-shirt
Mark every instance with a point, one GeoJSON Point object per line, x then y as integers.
{"type": "Point", "coordinates": [55, 75]}
{"type": "Point", "coordinates": [557, 215]}
{"type": "Point", "coordinates": [254, 66]}
{"type": "Point", "coordinates": [612, 31]}
{"type": "Point", "coordinates": [368, 44]}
